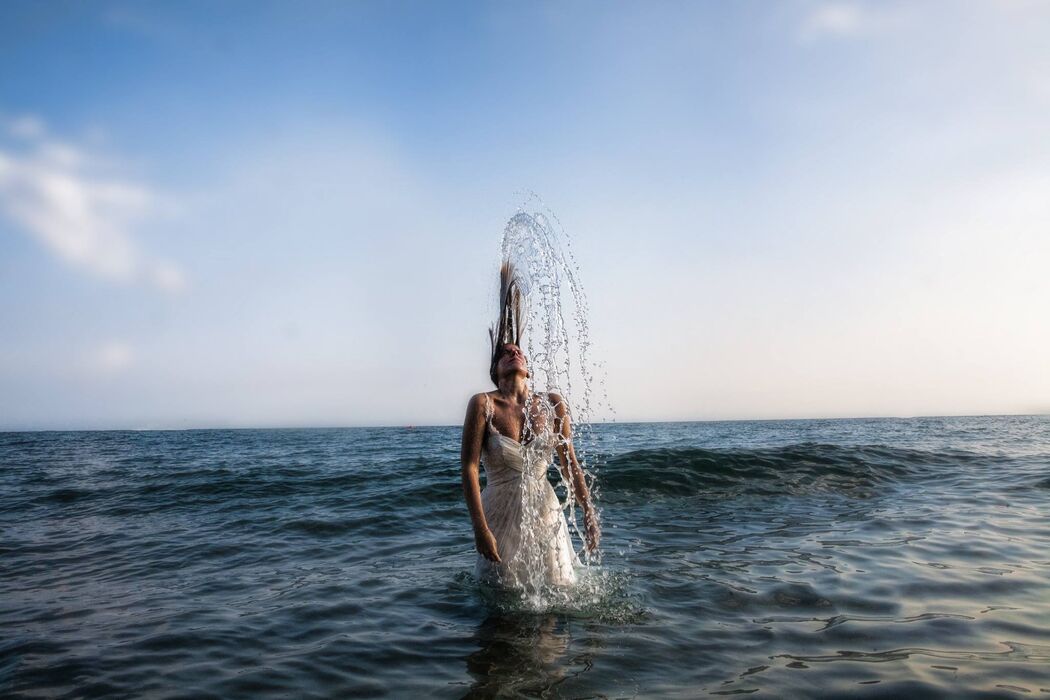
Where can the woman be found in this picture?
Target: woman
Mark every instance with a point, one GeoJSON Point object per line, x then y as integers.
{"type": "Point", "coordinates": [519, 529]}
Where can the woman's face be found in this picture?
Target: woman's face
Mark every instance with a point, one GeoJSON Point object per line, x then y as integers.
{"type": "Point", "coordinates": [511, 359]}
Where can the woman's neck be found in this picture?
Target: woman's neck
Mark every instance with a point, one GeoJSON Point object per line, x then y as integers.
{"type": "Point", "coordinates": [513, 387]}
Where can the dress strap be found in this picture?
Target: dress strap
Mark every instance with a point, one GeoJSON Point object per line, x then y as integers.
{"type": "Point", "coordinates": [488, 410]}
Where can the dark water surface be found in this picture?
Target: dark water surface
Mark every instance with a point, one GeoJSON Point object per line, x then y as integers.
{"type": "Point", "coordinates": [886, 558]}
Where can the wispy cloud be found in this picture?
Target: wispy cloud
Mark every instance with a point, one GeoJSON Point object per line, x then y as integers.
{"type": "Point", "coordinates": [845, 20]}
{"type": "Point", "coordinates": [26, 126]}
{"type": "Point", "coordinates": [54, 191]}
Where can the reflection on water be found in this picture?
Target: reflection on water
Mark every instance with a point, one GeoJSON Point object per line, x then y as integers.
{"type": "Point", "coordinates": [520, 654]}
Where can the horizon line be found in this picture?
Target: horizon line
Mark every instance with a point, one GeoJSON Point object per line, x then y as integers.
{"type": "Point", "coordinates": [413, 426]}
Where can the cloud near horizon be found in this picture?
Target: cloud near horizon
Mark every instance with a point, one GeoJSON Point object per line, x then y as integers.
{"type": "Point", "coordinates": [111, 357]}
{"type": "Point", "coordinates": [55, 192]}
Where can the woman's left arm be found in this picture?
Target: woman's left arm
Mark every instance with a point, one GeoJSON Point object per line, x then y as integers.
{"type": "Point", "coordinates": [571, 471]}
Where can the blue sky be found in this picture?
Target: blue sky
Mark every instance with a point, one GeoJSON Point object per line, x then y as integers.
{"type": "Point", "coordinates": [289, 214]}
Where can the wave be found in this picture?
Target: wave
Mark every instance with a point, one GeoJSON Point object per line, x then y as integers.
{"type": "Point", "coordinates": [792, 469]}
{"type": "Point", "coordinates": [431, 484]}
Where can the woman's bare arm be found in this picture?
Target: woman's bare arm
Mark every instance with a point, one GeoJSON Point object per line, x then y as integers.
{"type": "Point", "coordinates": [571, 471]}
{"type": "Point", "coordinates": [470, 460]}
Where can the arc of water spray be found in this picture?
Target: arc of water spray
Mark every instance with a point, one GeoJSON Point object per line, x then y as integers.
{"type": "Point", "coordinates": [533, 246]}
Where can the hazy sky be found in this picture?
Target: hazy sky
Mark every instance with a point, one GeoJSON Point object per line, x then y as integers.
{"type": "Point", "coordinates": [289, 213]}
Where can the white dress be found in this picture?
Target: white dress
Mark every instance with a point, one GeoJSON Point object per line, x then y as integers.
{"type": "Point", "coordinates": [524, 513]}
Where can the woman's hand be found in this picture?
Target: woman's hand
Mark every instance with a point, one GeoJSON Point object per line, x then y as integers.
{"type": "Point", "coordinates": [594, 533]}
{"type": "Point", "coordinates": [485, 542]}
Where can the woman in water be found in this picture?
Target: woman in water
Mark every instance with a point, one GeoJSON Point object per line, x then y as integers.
{"type": "Point", "coordinates": [519, 529]}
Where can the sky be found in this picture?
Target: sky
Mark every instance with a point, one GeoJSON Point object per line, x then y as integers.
{"type": "Point", "coordinates": [289, 214]}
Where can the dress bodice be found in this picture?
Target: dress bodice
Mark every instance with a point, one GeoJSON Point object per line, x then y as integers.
{"type": "Point", "coordinates": [524, 514]}
{"type": "Point", "coordinates": [506, 459]}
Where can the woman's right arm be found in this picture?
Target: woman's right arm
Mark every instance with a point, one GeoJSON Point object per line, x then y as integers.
{"type": "Point", "coordinates": [470, 459]}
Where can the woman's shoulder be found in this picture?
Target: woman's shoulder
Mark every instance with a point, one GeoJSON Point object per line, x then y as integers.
{"type": "Point", "coordinates": [480, 400]}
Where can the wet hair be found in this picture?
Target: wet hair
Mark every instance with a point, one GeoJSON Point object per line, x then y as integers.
{"type": "Point", "coordinates": [508, 327]}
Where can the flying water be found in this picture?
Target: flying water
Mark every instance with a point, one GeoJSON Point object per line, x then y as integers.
{"type": "Point", "coordinates": [557, 342]}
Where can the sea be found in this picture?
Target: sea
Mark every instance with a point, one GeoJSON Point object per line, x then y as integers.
{"type": "Point", "coordinates": [895, 558]}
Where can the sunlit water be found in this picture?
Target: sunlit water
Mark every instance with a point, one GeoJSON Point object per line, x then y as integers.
{"type": "Point", "coordinates": [889, 558]}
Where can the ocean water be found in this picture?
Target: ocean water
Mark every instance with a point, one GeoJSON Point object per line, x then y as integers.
{"type": "Point", "coordinates": [869, 558]}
